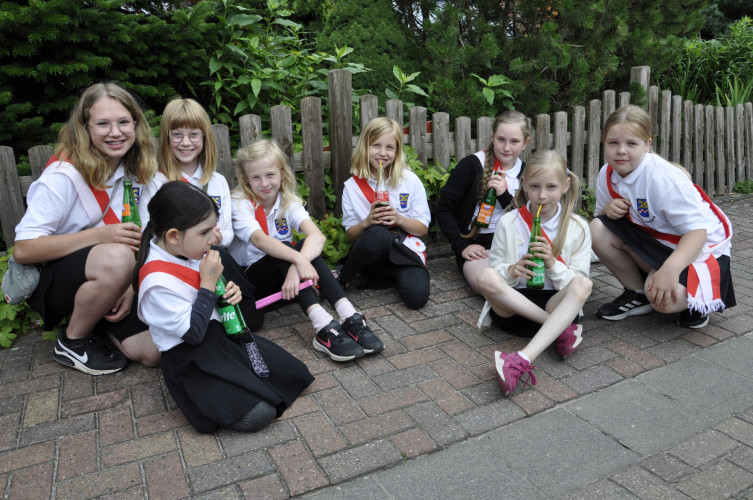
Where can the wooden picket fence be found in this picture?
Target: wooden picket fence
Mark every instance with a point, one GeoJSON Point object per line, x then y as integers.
{"type": "Point", "coordinates": [715, 144]}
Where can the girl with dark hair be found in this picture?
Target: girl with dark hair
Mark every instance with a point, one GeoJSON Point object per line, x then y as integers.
{"type": "Point", "coordinates": [208, 373]}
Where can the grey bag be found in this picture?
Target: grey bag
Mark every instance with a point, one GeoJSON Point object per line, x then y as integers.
{"type": "Point", "coordinates": [19, 281]}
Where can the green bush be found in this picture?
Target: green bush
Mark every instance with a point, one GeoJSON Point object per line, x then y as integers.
{"type": "Point", "coordinates": [18, 319]}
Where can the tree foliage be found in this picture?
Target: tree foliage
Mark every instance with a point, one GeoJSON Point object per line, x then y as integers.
{"type": "Point", "coordinates": [720, 14]}
{"type": "Point", "coordinates": [51, 51]}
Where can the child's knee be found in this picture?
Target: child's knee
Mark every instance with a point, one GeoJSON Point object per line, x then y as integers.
{"type": "Point", "coordinates": [582, 286]}
{"type": "Point", "coordinates": [489, 280]}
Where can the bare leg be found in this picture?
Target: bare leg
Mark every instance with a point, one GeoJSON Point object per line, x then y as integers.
{"type": "Point", "coordinates": [471, 270]}
{"type": "Point", "coordinates": [139, 348]}
{"type": "Point", "coordinates": [618, 258]}
{"type": "Point", "coordinates": [109, 271]}
{"type": "Point", "coordinates": [505, 300]}
{"type": "Point", "coordinates": [680, 291]}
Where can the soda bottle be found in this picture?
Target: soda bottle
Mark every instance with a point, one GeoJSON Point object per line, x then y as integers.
{"type": "Point", "coordinates": [236, 329]}
{"type": "Point", "coordinates": [127, 207]}
{"type": "Point", "coordinates": [381, 194]}
{"type": "Point", "coordinates": [128, 185]}
{"type": "Point", "coordinates": [486, 209]}
{"type": "Point", "coordinates": [537, 281]}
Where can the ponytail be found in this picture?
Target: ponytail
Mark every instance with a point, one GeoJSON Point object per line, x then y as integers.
{"type": "Point", "coordinates": [146, 238]}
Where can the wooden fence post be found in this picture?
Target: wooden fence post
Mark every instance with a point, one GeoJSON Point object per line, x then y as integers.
{"type": "Point", "coordinates": [393, 109]}
{"type": "Point", "coordinates": [624, 98]}
{"type": "Point", "coordinates": [484, 132]}
{"type": "Point", "coordinates": [340, 129]}
{"type": "Point", "coordinates": [641, 75]}
{"type": "Point", "coordinates": [729, 147]}
{"type": "Point", "coordinates": [282, 129]}
{"type": "Point", "coordinates": [676, 128]}
{"type": "Point", "coordinates": [699, 136]}
{"type": "Point", "coordinates": [708, 171]}
{"type": "Point", "coordinates": [653, 109]}
{"type": "Point", "coordinates": [542, 132]}
{"type": "Point", "coordinates": [11, 197]}
{"type": "Point", "coordinates": [418, 133]}
{"type": "Point", "coordinates": [739, 143]}
{"type": "Point", "coordinates": [721, 164]}
{"type": "Point", "coordinates": [594, 142]}
{"type": "Point", "coordinates": [749, 143]}
{"type": "Point", "coordinates": [38, 158]}
{"type": "Point", "coordinates": [463, 145]}
{"type": "Point", "coordinates": [687, 136]}
{"type": "Point", "coordinates": [224, 155]}
{"type": "Point", "coordinates": [313, 161]}
{"type": "Point", "coordinates": [576, 141]}
{"type": "Point", "coordinates": [369, 109]}
{"type": "Point", "coordinates": [666, 102]}
{"type": "Point", "coordinates": [250, 129]}
{"type": "Point", "coordinates": [560, 133]}
{"type": "Point", "coordinates": [441, 139]}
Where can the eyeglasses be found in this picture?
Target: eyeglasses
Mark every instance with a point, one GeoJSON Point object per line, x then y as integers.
{"type": "Point", "coordinates": [103, 127]}
{"type": "Point", "coordinates": [194, 137]}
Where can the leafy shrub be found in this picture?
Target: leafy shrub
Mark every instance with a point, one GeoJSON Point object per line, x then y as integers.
{"type": "Point", "coordinates": [745, 187]}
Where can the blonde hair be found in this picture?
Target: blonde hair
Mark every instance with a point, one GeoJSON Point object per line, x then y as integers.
{"type": "Point", "coordinates": [186, 113]}
{"type": "Point", "coordinates": [374, 130]}
{"type": "Point", "coordinates": [634, 117]}
{"type": "Point", "coordinates": [75, 144]}
{"type": "Point", "coordinates": [551, 160]}
{"type": "Point", "coordinates": [506, 117]}
{"type": "Point", "coordinates": [255, 152]}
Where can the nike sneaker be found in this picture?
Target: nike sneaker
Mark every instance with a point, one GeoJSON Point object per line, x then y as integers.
{"type": "Point", "coordinates": [335, 343]}
{"type": "Point", "coordinates": [93, 354]}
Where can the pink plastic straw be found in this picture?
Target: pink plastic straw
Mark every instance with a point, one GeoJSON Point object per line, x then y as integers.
{"type": "Point", "coordinates": [277, 296]}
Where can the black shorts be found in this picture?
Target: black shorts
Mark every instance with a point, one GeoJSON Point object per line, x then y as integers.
{"type": "Point", "coordinates": [521, 326]}
{"type": "Point", "coordinates": [56, 294]}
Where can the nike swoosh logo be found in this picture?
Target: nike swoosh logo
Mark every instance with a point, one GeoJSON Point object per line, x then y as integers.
{"type": "Point", "coordinates": [355, 337]}
{"type": "Point", "coordinates": [83, 359]}
{"type": "Point", "coordinates": [326, 344]}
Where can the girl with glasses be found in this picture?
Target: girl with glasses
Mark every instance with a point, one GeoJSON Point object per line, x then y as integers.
{"type": "Point", "coordinates": [72, 228]}
{"type": "Point", "coordinates": [188, 152]}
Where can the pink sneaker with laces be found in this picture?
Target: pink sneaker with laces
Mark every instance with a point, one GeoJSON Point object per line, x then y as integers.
{"type": "Point", "coordinates": [569, 340]}
{"type": "Point", "coordinates": [510, 367]}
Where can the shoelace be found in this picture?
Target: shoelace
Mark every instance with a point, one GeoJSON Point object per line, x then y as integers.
{"type": "Point", "coordinates": [529, 371]}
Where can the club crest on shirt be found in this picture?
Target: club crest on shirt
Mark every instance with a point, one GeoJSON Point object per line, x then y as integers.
{"type": "Point", "coordinates": [136, 193]}
{"type": "Point", "coordinates": [281, 225]}
{"type": "Point", "coordinates": [218, 201]}
{"type": "Point", "coordinates": [642, 207]}
{"type": "Point", "coordinates": [403, 200]}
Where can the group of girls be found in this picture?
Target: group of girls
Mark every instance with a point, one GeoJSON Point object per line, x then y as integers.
{"type": "Point", "coordinates": [161, 307]}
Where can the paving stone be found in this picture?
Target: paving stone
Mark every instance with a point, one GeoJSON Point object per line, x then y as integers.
{"type": "Point", "coordinates": [24, 457]}
{"type": "Point", "coordinates": [625, 367]}
{"type": "Point", "coordinates": [531, 402]}
{"type": "Point", "coordinates": [13, 404]}
{"type": "Point", "coordinates": [483, 393]}
{"type": "Point", "coordinates": [455, 374]}
{"type": "Point", "coordinates": [463, 354]}
{"type": "Point", "coordinates": [553, 389]}
{"type": "Point", "coordinates": [298, 468]}
{"type": "Point", "coordinates": [585, 358]}
{"type": "Point", "coordinates": [198, 449]}
{"type": "Point", "coordinates": [721, 480]}
{"type": "Point", "coordinates": [321, 436]}
{"type": "Point", "coordinates": [229, 471]}
{"type": "Point", "coordinates": [9, 430]}
{"type": "Point", "coordinates": [402, 361]}
{"type": "Point", "coordinates": [643, 484]}
{"type": "Point", "coordinates": [137, 449]}
{"type": "Point", "coordinates": [673, 350]}
{"type": "Point", "coordinates": [265, 488]}
{"type": "Point", "coordinates": [403, 378]}
{"type": "Point", "coordinates": [413, 442]}
{"type": "Point", "coordinates": [737, 429]}
{"type": "Point", "coordinates": [591, 379]}
{"type": "Point", "coordinates": [93, 403]}
{"type": "Point", "coordinates": [360, 460]}
{"type": "Point", "coordinates": [100, 483]}
{"type": "Point", "coordinates": [322, 382]}
{"type": "Point", "coordinates": [488, 417]}
{"type": "Point", "coordinates": [34, 482]}
{"type": "Point", "coordinates": [57, 429]}
{"type": "Point", "coordinates": [703, 448]}
{"type": "Point", "coordinates": [338, 406]}
{"type": "Point", "coordinates": [445, 396]}
{"type": "Point", "coordinates": [128, 494]}
{"type": "Point", "coordinates": [77, 384]}
{"type": "Point", "coordinates": [666, 467]}
{"type": "Point", "coordinates": [115, 425]}
{"type": "Point", "coordinates": [436, 322]}
{"type": "Point", "coordinates": [436, 423]}
{"type": "Point", "coordinates": [428, 339]}
{"type": "Point", "coordinates": [372, 428]}
{"type": "Point", "coordinates": [165, 478]}
{"type": "Point", "coordinates": [41, 407]}
{"type": "Point", "coordinates": [147, 399]}
{"type": "Point", "coordinates": [302, 406]}
{"type": "Point", "coordinates": [160, 422]}
{"type": "Point", "coordinates": [392, 400]}
{"type": "Point", "coordinates": [29, 386]}
{"type": "Point", "coordinates": [78, 456]}
{"type": "Point", "coordinates": [598, 490]}
{"type": "Point", "coordinates": [134, 374]}
{"type": "Point", "coordinates": [742, 457]}
{"type": "Point", "coordinates": [355, 382]}
{"type": "Point", "coordinates": [699, 339]}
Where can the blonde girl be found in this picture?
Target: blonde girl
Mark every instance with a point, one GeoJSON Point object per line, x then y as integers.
{"type": "Point", "coordinates": [550, 187]}
{"type": "Point", "coordinates": [460, 198]}
{"type": "Point", "coordinates": [661, 236]}
{"type": "Point", "coordinates": [72, 226]}
{"type": "Point", "coordinates": [266, 210]}
{"type": "Point", "coordinates": [387, 249]}
{"type": "Point", "coordinates": [188, 152]}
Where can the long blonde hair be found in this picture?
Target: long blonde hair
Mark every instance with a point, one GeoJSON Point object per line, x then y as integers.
{"type": "Point", "coordinates": [551, 160]}
{"type": "Point", "coordinates": [254, 152]}
{"type": "Point", "coordinates": [75, 144]}
{"type": "Point", "coordinates": [186, 113]}
{"type": "Point", "coordinates": [374, 130]}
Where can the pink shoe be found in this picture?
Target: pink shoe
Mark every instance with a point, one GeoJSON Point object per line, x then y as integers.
{"type": "Point", "coordinates": [510, 367]}
{"type": "Point", "coordinates": [569, 340]}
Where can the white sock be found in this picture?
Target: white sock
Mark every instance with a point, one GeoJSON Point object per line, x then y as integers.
{"type": "Point", "coordinates": [344, 309]}
{"type": "Point", "coordinates": [319, 318]}
{"type": "Point", "coordinates": [522, 355]}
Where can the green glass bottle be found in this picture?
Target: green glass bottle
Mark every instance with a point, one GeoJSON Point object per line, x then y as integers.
{"type": "Point", "coordinates": [537, 281]}
{"type": "Point", "coordinates": [134, 206]}
{"type": "Point", "coordinates": [231, 316]}
{"type": "Point", "coordinates": [127, 215]}
{"type": "Point", "coordinates": [486, 209]}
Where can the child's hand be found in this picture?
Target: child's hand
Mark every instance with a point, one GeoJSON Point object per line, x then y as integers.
{"type": "Point", "coordinates": [126, 233]}
{"type": "Point", "coordinates": [375, 215]}
{"type": "Point", "coordinates": [233, 293]}
{"type": "Point", "coordinates": [290, 286]}
{"type": "Point", "coordinates": [520, 268]}
{"type": "Point", "coordinates": [499, 183]}
{"type": "Point", "coordinates": [662, 287]}
{"type": "Point", "coordinates": [474, 252]}
{"type": "Point", "coordinates": [210, 269]}
{"type": "Point", "coordinates": [217, 236]}
{"type": "Point", "coordinates": [305, 271]}
{"type": "Point", "coordinates": [541, 248]}
{"type": "Point", "coordinates": [388, 216]}
{"type": "Point", "coordinates": [617, 208]}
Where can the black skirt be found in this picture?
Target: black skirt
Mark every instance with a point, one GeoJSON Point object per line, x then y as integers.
{"type": "Point", "coordinates": [214, 384]}
{"type": "Point", "coordinates": [520, 326]}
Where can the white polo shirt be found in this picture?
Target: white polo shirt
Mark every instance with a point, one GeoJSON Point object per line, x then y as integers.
{"type": "Point", "coordinates": [219, 190]}
{"type": "Point", "coordinates": [280, 226]}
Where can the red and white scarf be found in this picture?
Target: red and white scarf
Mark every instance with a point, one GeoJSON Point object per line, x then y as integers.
{"type": "Point", "coordinates": [704, 277]}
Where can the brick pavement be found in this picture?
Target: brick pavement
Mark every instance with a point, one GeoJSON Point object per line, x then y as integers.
{"type": "Point", "coordinates": [64, 434]}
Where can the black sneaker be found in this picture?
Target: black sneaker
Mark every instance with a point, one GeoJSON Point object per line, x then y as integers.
{"type": "Point", "coordinates": [630, 303]}
{"type": "Point", "coordinates": [335, 343]}
{"type": "Point", "coordinates": [692, 319]}
{"type": "Point", "coordinates": [356, 327]}
{"type": "Point", "coordinates": [93, 354]}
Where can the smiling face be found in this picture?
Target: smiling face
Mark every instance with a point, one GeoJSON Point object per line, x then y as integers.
{"type": "Point", "coordinates": [624, 150]}
{"type": "Point", "coordinates": [383, 149]}
{"type": "Point", "coordinates": [115, 143]}
{"type": "Point", "coordinates": [186, 151]}
{"type": "Point", "coordinates": [545, 188]}
{"type": "Point", "coordinates": [509, 143]}
{"type": "Point", "coordinates": [264, 177]}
